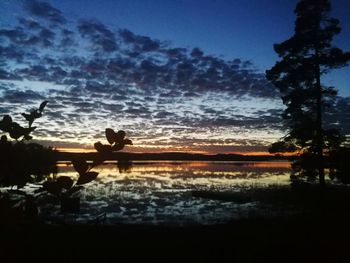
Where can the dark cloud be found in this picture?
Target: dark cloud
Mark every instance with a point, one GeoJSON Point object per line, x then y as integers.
{"type": "Point", "coordinates": [16, 35]}
{"type": "Point", "coordinates": [140, 112]}
{"type": "Point", "coordinates": [7, 75]}
{"type": "Point", "coordinates": [67, 39]}
{"type": "Point", "coordinates": [16, 96]}
{"type": "Point", "coordinates": [11, 52]}
{"type": "Point", "coordinates": [34, 72]}
{"type": "Point", "coordinates": [99, 35]}
{"type": "Point", "coordinates": [111, 107]}
{"type": "Point", "coordinates": [29, 23]}
{"type": "Point", "coordinates": [196, 53]}
{"type": "Point", "coordinates": [93, 86]}
{"type": "Point", "coordinates": [156, 69]}
{"type": "Point", "coordinates": [44, 10]}
{"type": "Point", "coordinates": [140, 43]}
{"type": "Point", "coordinates": [44, 38]}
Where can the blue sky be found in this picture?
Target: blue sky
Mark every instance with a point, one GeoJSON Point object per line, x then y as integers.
{"type": "Point", "coordinates": [231, 28]}
{"type": "Point", "coordinates": [176, 75]}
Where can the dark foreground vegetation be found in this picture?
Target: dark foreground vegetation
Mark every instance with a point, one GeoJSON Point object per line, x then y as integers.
{"type": "Point", "coordinates": [292, 239]}
{"type": "Point", "coordinates": [311, 225]}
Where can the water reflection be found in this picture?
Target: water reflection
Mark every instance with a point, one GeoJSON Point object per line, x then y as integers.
{"type": "Point", "coordinates": [160, 192]}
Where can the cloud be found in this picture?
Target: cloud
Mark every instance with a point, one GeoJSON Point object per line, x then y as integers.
{"type": "Point", "coordinates": [67, 38]}
{"type": "Point", "coordinates": [44, 10]}
{"type": "Point", "coordinates": [29, 23]}
{"type": "Point", "coordinates": [15, 35]}
{"type": "Point", "coordinates": [99, 35]}
{"type": "Point", "coordinates": [140, 43]}
{"type": "Point", "coordinates": [16, 96]}
{"type": "Point", "coordinates": [151, 66]}
{"type": "Point", "coordinates": [41, 36]}
{"type": "Point", "coordinates": [96, 77]}
{"type": "Point", "coordinates": [7, 75]}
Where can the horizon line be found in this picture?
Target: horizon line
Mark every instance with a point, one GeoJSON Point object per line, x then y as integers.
{"type": "Point", "coordinates": [251, 153]}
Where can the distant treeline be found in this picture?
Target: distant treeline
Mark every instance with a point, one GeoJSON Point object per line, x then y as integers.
{"type": "Point", "coordinates": [171, 156]}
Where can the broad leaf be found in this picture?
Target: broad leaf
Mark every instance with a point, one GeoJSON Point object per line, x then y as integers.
{"type": "Point", "coordinates": [80, 166]}
{"type": "Point", "coordinates": [119, 137]}
{"type": "Point", "coordinates": [102, 148]}
{"type": "Point", "coordinates": [128, 141]}
{"type": "Point", "coordinates": [42, 105]}
{"type": "Point", "coordinates": [54, 188]}
{"type": "Point", "coordinates": [6, 123]}
{"type": "Point", "coordinates": [110, 135]}
{"type": "Point", "coordinates": [65, 181]}
{"type": "Point", "coordinates": [87, 178]}
{"type": "Point", "coordinates": [113, 137]}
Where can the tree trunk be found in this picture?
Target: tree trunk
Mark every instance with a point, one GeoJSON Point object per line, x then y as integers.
{"type": "Point", "coordinates": [319, 130]}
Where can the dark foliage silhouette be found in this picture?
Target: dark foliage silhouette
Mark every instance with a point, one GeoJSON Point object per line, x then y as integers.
{"type": "Point", "coordinates": [117, 142]}
{"type": "Point", "coordinates": [305, 57]}
{"type": "Point", "coordinates": [15, 130]}
{"type": "Point", "coordinates": [124, 166]}
{"type": "Point", "coordinates": [30, 162]}
{"type": "Point", "coordinates": [66, 190]}
{"type": "Point", "coordinates": [22, 163]}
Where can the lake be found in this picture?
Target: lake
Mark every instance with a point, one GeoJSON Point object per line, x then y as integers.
{"type": "Point", "coordinates": [159, 192]}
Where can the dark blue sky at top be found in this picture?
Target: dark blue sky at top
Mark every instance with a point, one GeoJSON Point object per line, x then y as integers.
{"type": "Point", "coordinates": [148, 79]}
{"type": "Point", "coordinates": [232, 28]}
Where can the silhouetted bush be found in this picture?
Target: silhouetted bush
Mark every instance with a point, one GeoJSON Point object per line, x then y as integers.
{"type": "Point", "coordinates": [66, 190]}
{"type": "Point", "coordinates": [24, 162]}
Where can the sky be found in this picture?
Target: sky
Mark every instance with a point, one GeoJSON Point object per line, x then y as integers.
{"type": "Point", "coordinates": [180, 75]}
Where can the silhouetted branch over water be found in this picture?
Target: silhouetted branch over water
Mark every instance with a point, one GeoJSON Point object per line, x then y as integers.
{"type": "Point", "coordinates": [22, 163]}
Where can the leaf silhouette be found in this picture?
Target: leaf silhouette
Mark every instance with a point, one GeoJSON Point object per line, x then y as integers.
{"type": "Point", "coordinates": [120, 135]}
{"type": "Point", "coordinates": [80, 166]}
{"type": "Point", "coordinates": [54, 188]}
{"type": "Point", "coordinates": [128, 141]}
{"type": "Point", "coordinates": [29, 117]}
{"type": "Point", "coordinates": [113, 137]}
{"type": "Point", "coordinates": [74, 190]}
{"type": "Point", "coordinates": [102, 148]}
{"type": "Point", "coordinates": [65, 181]}
{"type": "Point", "coordinates": [6, 123]}
{"type": "Point", "coordinates": [42, 105]}
{"type": "Point", "coordinates": [18, 131]}
{"type": "Point", "coordinates": [28, 137]}
{"type": "Point", "coordinates": [87, 177]}
{"type": "Point", "coordinates": [110, 135]}
{"type": "Point", "coordinates": [117, 147]}
{"type": "Point", "coordinates": [32, 116]}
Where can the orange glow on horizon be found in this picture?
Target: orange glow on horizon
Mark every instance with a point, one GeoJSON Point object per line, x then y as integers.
{"type": "Point", "coordinates": [76, 150]}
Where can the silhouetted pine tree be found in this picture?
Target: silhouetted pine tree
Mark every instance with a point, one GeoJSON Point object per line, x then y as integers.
{"type": "Point", "coordinates": [305, 57]}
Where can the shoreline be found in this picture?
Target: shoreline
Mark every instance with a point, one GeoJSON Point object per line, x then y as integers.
{"type": "Point", "coordinates": [170, 156]}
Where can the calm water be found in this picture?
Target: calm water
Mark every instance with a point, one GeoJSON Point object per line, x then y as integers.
{"type": "Point", "coordinates": [160, 192]}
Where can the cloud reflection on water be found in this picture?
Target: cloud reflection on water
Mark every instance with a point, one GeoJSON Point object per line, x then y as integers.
{"type": "Point", "coordinates": [160, 192]}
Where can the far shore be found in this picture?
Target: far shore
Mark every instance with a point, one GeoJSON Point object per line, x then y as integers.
{"type": "Point", "coordinates": [168, 156]}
